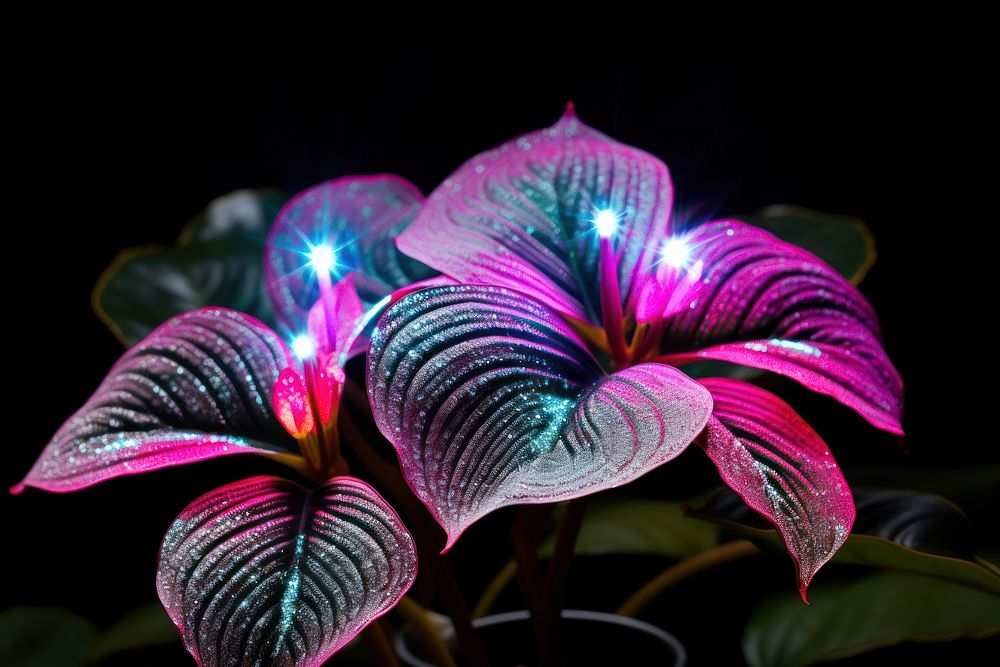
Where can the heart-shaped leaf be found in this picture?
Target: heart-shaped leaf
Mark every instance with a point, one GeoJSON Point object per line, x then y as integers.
{"type": "Point", "coordinates": [782, 469]}
{"type": "Point", "coordinates": [357, 219]}
{"type": "Point", "coordinates": [264, 572]}
{"type": "Point", "coordinates": [198, 387]}
{"type": "Point", "coordinates": [850, 617]}
{"type": "Point", "coordinates": [491, 399]}
{"type": "Point", "coordinates": [894, 529]}
{"type": "Point", "coordinates": [767, 304]}
{"type": "Point", "coordinates": [639, 527]}
{"type": "Point", "coordinates": [216, 262]}
{"type": "Point", "coordinates": [522, 216]}
{"type": "Point", "coordinates": [842, 241]}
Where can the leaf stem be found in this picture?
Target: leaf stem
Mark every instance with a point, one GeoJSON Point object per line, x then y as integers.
{"type": "Point", "coordinates": [494, 589]}
{"type": "Point", "coordinates": [378, 641]}
{"type": "Point", "coordinates": [685, 569]}
{"type": "Point", "coordinates": [611, 302]}
{"type": "Point", "coordinates": [424, 529]}
{"type": "Point", "coordinates": [526, 531]}
{"type": "Point", "coordinates": [550, 607]}
{"type": "Point", "coordinates": [426, 632]}
{"type": "Point", "coordinates": [472, 645]}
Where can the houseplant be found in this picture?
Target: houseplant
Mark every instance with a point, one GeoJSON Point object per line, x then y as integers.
{"type": "Point", "coordinates": [575, 332]}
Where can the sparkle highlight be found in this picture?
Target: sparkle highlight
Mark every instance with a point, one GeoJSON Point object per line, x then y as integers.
{"type": "Point", "coordinates": [675, 252]}
{"type": "Point", "coordinates": [304, 347]}
{"type": "Point", "coordinates": [322, 258]}
{"type": "Point", "coordinates": [606, 223]}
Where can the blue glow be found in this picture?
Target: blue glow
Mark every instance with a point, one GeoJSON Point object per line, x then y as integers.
{"type": "Point", "coordinates": [322, 258]}
{"type": "Point", "coordinates": [303, 347]}
{"type": "Point", "coordinates": [675, 252]}
{"type": "Point", "coordinates": [606, 223]}
{"type": "Point", "coordinates": [797, 346]}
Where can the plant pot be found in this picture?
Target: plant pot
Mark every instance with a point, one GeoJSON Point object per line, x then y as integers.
{"type": "Point", "coordinates": [589, 638]}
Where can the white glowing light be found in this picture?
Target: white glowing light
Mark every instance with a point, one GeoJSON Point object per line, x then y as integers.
{"type": "Point", "coordinates": [303, 347]}
{"type": "Point", "coordinates": [675, 252]}
{"type": "Point", "coordinates": [322, 258]}
{"type": "Point", "coordinates": [606, 223]}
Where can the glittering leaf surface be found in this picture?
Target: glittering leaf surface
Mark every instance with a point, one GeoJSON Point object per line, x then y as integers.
{"type": "Point", "coordinates": [490, 399]}
{"type": "Point", "coordinates": [216, 262]}
{"type": "Point", "coordinates": [358, 217]}
{"type": "Point", "coordinates": [782, 469]}
{"type": "Point", "coordinates": [842, 241]}
{"type": "Point", "coordinates": [262, 572]}
{"type": "Point", "coordinates": [768, 304]}
{"type": "Point", "coordinates": [198, 387]}
{"type": "Point", "coordinates": [521, 215]}
{"type": "Point", "coordinates": [851, 617]}
{"type": "Point", "coordinates": [894, 529]}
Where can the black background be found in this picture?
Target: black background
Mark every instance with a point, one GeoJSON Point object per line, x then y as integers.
{"type": "Point", "coordinates": [114, 149]}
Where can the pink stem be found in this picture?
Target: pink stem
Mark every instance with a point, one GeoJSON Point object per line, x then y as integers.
{"type": "Point", "coordinates": [327, 299]}
{"type": "Point", "coordinates": [611, 302]}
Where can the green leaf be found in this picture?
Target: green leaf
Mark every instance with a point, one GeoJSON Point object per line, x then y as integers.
{"type": "Point", "coordinates": [641, 527]}
{"type": "Point", "coordinates": [850, 617]}
{"type": "Point", "coordinates": [844, 242]}
{"type": "Point", "coordinates": [217, 261]}
{"type": "Point", "coordinates": [144, 626]}
{"type": "Point", "coordinates": [895, 529]}
{"type": "Point", "coordinates": [43, 637]}
{"type": "Point", "coordinates": [622, 526]}
{"type": "Point", "coordinates": [969, 486]}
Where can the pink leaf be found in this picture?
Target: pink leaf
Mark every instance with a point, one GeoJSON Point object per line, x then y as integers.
{"type": "Point", "coordinates": [199, 386]}
{"type": "Point", "coordinates": [782, 469]}
{"type": "Point", "coordinates": [264, 572]}
{"type": "Point", "coordinates": [771, 305]}
{"type": "Point", "coordinates": [522, 216]}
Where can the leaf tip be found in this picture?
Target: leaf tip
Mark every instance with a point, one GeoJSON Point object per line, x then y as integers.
{"type": "Point", "coordinates": [452, 537]}
{"type": "Point", "coordinates": [17, 489]}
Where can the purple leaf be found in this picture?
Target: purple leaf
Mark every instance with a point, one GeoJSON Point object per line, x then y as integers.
{"type": "Point", "coordinates": [771, 305]}
{"type": "Point", "coordinates": [199, 386]}
{"type": "Point", "coordinates": [522, 216]}
{"type": "Point", "coordinates": [264, 572]}
{"type": "Point", "coordinates": [490, 400]}
{"type": "Point", "coordinates": [358, 217]}
{"type": "Point", "coordinates": [782, 469]}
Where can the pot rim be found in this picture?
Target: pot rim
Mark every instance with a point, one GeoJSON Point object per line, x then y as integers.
{"type": "Point", "coordinates": [571, 614]}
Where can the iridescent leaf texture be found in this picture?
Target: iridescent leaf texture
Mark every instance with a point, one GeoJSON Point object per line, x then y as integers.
{"type": "Point", "coordinates": [573, 224]}
{"type": "Point", "coordinates": [199, 386]}
{"type": "Point", "coordinates": [782, 469]}
{"type": "Point", "coordinates": [262, 571]}
{"type": "Point", "coordinates": [491, 399]}
{"type": "Point", "coordinates": [353, 219]}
